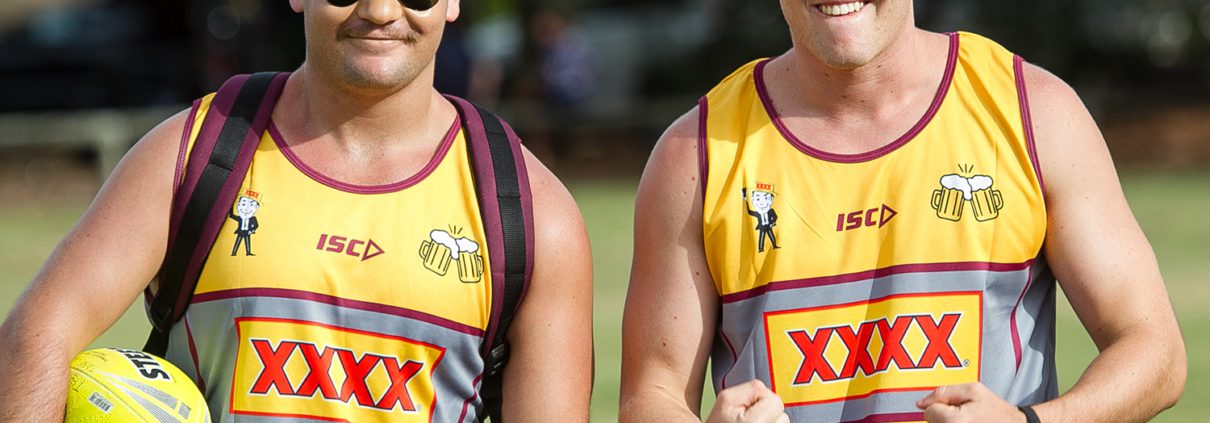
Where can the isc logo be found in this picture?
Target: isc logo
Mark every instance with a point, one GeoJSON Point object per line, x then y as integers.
{"type": "Point", "coordinates": [864, 218]}
{"type": "Point", "coordinates": [351, 247]}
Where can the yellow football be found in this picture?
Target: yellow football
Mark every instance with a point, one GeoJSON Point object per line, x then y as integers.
{"type": "Point", "coordinates": [119, 385]}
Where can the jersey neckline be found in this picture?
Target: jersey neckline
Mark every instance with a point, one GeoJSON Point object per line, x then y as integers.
{"type": "Point", "coordinates": [315, 175]}
{"type": "Point", "coordinates": [942, 90]}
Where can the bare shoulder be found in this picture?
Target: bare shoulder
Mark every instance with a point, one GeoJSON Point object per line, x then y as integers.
{"type": "Point", "coordinates": [145, 176]}
{"type": "Point", "coordinates": [680, 141]}
{"type": "Point", "coordinates": [1068, 141]}
{"type": "Point", "coordinates": [1055, 108]}
{"type": "Point", "coordinates": [673, 170]}
{"type": "Point", "coordinates": [147, 169]}
{"type": "Point", "coordinates": [560, 238]}
{"type": "Point", "coordinates": [555, 209]}
{"type": "Point", "coordinates": [164, 142]}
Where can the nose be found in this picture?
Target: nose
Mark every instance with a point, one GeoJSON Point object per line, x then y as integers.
{"type": "Point", "coordinates": [380, 12]}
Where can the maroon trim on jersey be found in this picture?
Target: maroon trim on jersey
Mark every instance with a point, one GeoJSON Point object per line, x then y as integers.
{"type": "Point", "coordinates": [428, 169]}
{"type": "Point", "coordinates": [467, 404]}
{"type": "Point", "coordinates": [946, 80]}
{"type": "Point", "coordinates": [201, 380]}
{"type": "Point", "coordinates": [1012, 320]}
{"type": "Point", "coordinates": [338, 302]}
{"type": "Point", "coordinates": [703, 162]}
{"type": "Point", "coordinates": [180, 155]}
{"type": "Point", "coordinates": [1012, 317]}
{"type": "Point", "coordinates": [890, 417]}
{"type": "Point", "coordinates": [1026, 121]}
{"type": "Point", "coordinates": [734, 356]}
{"type": "Point", "coordinates": [874, 274]}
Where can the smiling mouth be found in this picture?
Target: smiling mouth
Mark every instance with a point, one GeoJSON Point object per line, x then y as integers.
{"type": "Point", "coordinates": [841, 9]}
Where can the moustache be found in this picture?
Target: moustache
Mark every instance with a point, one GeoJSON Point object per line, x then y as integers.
{"type": "Point", "coordinates": [363, 29]}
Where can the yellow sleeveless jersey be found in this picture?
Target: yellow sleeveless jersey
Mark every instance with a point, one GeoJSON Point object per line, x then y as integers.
{"type": "Point", "coordinates": [322, 300]}
{"type": "Point", "coordinates": [854, 284]}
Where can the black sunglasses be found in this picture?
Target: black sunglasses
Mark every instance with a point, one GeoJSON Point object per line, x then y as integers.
{"type": "Point", "coordinates": [417, 5]}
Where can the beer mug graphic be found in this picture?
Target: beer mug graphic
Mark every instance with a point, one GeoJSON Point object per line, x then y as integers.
{"type": "Point", "coordinates": [436, 257]}
{"type": "Point", "coordinates": [442, 248]}
{"type": "Point", "coordinates": [948, 203]}
{"type": "Point", "coordinates": [986, 204]}
{"type": "Point", "coordinates": [470, 267]}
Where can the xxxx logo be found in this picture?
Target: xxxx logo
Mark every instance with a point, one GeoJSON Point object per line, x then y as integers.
{"type": "Point", "coordinates": [318, 379]}
{"type": "Point", "coordinates": [290, 368]}
{"type": "Point", "coordinates": [903, 342]}
{"type": "Point", "coordinates": [857, 344]}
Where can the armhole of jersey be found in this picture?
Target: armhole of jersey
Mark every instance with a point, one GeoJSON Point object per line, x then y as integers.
{"type": "Point", "coordinates": [1027, 122]}
{"type": "Point", "coordinates": [703, 161]}
{"type": "Point", "coordinates": [184, 149]}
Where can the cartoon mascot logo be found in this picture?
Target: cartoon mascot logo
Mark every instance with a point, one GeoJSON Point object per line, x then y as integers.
{"type": "Point", "coordinates": [244, 215]}
{"type": "Point", "coordinates": [761, 208]}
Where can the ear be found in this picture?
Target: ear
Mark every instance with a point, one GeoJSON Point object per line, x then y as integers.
{"type": "Point", "coordinates": [297, 5]}
{"type": "Point", "coordinates": [451, 10]}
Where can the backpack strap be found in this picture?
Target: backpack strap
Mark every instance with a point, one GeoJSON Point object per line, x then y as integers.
{"type": "Point", "coordinates": [506, 207]}
{"type": "Point", "coordinates": [218, 162]}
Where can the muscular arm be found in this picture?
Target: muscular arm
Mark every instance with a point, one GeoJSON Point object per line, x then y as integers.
{"type": "Point", "coordinates": [90, 279]}
{"type": "Point", "coordinates": [549, 374]}
{"type": "Point", "coordinates": [1106, 268]}
{"type": "Point", "coordinates": [671, 306]}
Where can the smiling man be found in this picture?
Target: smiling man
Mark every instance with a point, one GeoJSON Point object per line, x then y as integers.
{"type": "Point", "coordinates": [918, 176]}
{"type": "Point", "coordinates": [335, 317]}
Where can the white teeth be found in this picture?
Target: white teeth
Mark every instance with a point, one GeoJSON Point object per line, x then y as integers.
{"type": "Point", "coordinates": [841, 9]}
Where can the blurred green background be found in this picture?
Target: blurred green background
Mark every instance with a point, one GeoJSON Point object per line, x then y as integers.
{"type": "Point", "coordinates": [590, 84]}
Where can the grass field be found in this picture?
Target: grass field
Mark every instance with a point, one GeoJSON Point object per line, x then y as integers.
{"type": "Point", "coordinates": [1172, 208]}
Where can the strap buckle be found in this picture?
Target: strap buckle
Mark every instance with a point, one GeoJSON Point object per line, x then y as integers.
{"type": "Point", "coordinates": [159, 312]}
{"type": "Point", "coordinates": [497, 358]}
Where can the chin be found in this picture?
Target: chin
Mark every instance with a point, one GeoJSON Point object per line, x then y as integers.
{"type": "Point", "coordinates": [843, 58]}
{"type": "Point", "coordinates": [361, 76]}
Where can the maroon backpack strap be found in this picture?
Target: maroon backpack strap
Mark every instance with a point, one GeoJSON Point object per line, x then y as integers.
{"type": "Point", "coordinates": [506, 207]}
{"type": "Point", "coordinates": [217, 164]}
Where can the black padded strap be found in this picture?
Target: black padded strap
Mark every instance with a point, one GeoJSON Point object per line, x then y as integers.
{"type": "Point", "coordinates": [512, 222]}
{"type": "Point", "coordinates": [169, 302]}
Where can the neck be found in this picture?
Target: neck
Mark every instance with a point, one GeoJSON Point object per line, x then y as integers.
{"type": "Point", "coordinates": [908, 68]}
{"type": "Point", "coordinates": [324, 108]}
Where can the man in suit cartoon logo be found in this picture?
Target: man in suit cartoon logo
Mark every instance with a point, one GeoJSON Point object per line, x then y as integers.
{"type": "Point", "coordinates": [244, 214]}
{"type": "Point", "coordinates": [766, 218]}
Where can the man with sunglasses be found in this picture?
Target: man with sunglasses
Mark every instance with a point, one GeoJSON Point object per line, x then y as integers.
{"type": "Point", "coordinates": [917, 177]}
{"type": "Point", "coordinates": [336, 317]}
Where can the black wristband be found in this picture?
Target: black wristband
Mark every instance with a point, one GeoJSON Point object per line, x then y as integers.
{"type": "Point", "coordinates": [1030, 415]}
